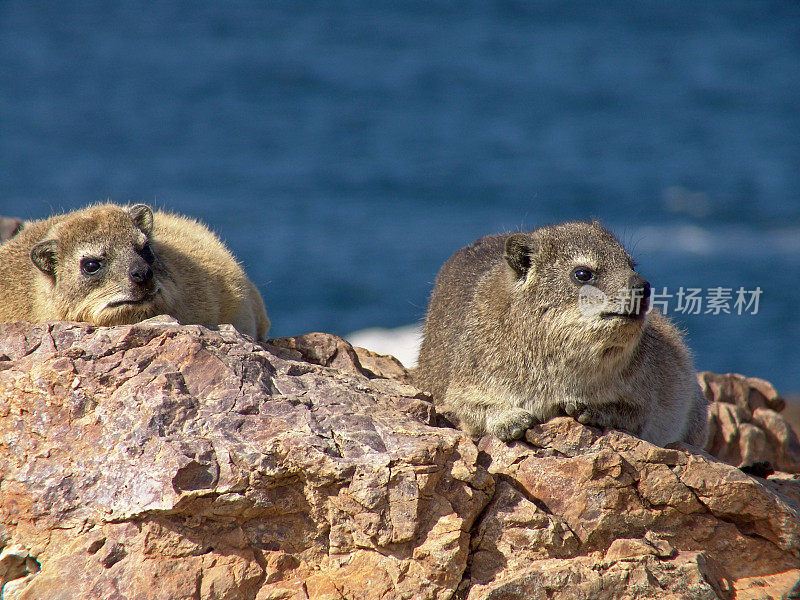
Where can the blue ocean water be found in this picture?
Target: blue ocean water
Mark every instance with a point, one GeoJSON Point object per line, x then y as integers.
{"type": "Point", "coordinates": [345, 149]}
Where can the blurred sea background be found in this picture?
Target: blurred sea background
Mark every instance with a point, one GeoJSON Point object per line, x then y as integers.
{"type": "Point", "coordinates": [345, 149]}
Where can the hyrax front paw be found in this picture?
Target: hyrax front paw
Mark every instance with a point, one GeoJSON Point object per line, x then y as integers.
{"type": "Point", "coordinates": [511, 424]}
{"type": "Point", "coordinates": [587, 415]}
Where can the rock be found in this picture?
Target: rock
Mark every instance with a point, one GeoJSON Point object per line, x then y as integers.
{"type": "Point", "coordinates": [745, 426]}
{"type": "Point", "coordinates": [791, 413]}
{"type": "Point", "coordinates": [621, 514]}
{"type": "Point", "coordinates": [160, 461]}
{"type": "Point", "coordinates": [330, 351]}
{"type": "Point", "coordinates": [381, 365]}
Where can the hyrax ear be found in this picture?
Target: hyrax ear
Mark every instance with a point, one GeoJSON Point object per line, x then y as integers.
{"type": "Point", "coordinates": [142, 217]}
{"type": "Point", "coordinates": [43, 256]}
{"type": "Point", "coordinates": [520, 249]}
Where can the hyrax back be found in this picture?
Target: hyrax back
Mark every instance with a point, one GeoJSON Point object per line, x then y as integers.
{"type": "Point", "coordinates": [517, 333]}
{"type": "Point", "coordinates": [113, 265]}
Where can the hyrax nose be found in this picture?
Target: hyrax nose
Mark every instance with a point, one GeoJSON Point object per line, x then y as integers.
{"type": "Point", "coordinates": [640, 290]}
{"type": "Point", "coordinates": [639, 286]}
{"type": "Point", "coordinates": [141, 273]}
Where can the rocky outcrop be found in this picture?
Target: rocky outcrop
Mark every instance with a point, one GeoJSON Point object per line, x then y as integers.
{"type": "Point", "coordinates": [627, 520]}
{"type": "Point", "coordinates": [160, 461]}
{"type": "Point", "coordinates": [745, 425]}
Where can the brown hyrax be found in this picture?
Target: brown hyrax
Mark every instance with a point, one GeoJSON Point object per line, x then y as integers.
{"type": "Point", "coordinates": [524, 327]}
{"type": "Point", "coordinates": [114, 265]}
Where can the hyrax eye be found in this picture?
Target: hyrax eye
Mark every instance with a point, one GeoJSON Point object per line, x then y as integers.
{"type": "Point", "coordinates": [147, 254]}
{"type": "Point", "coordinates": [91, 266]}
{"type": "Point", "coordinates": [582, 275]}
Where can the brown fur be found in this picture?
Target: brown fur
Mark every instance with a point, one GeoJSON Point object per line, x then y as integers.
{"type": "Point", "coordinates": [190, 274]}
{"type": "Point", "coordinates": [506, 345]}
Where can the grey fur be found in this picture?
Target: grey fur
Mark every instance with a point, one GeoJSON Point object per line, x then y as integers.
{"type": "Point", "coordinates": [506, 344]}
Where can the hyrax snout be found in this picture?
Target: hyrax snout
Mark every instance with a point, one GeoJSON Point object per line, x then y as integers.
{"type": "Point", "coordinates": [527, 326]}
{"type": "Point", "coordinates": [97, 265]}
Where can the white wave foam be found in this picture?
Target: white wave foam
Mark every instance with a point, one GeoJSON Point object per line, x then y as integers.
{"type": "Point", "coordinates": [401, 342]}
{"type": "Point", "coordinates": [719, 241]}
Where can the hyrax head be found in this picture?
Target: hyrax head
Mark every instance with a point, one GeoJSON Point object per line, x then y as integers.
{"type": "Point", "coordinates": [580, 272]}
{"type": "Point", "coordinates": [99, 264]}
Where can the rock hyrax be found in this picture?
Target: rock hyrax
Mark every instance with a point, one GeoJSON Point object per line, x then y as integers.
{"type": "Point", "coordinates": [113, 265]}
{"type": "Point", "coordinates": [512, 338]}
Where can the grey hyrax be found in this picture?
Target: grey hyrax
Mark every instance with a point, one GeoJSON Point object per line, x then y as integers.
{"type": "Point", "coordinates": [114, 265]}
{"type": "Point", "coordinates": [518, 332]}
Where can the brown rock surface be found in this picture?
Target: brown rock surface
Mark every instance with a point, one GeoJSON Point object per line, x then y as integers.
{"type": "Point", "coordinates": [160, 461]}
{"type": "Point", "coordinates": [745, 424]}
